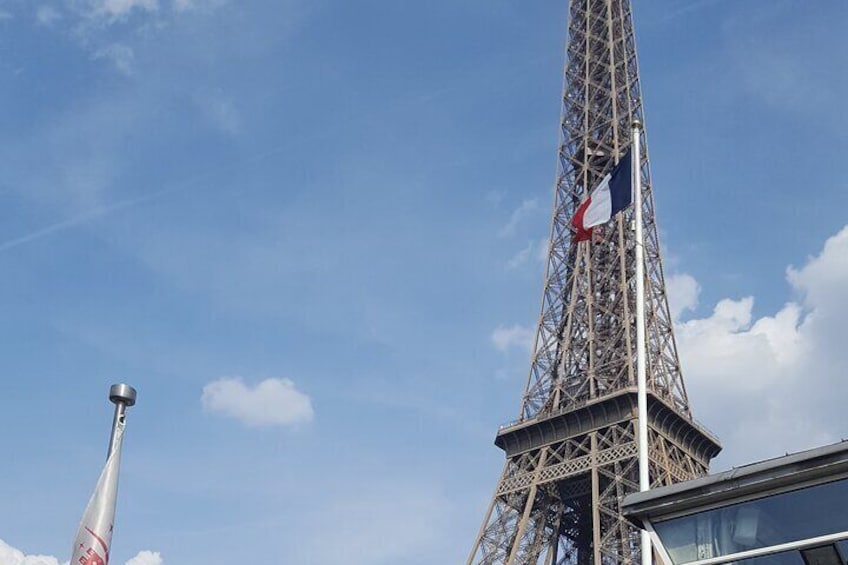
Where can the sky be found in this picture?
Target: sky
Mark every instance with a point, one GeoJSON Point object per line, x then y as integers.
{"type": "Point", "coordinates": [310, 233]}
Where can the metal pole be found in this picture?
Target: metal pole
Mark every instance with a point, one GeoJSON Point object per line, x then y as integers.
{"type": "Point", "coordinates": [94, 536]}
{"type": "Point", "coordinates": [641, 377]}
{"type": "Point", "coordinates": [123, 396]}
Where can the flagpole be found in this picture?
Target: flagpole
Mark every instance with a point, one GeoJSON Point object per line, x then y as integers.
{"type": "Point", "coordinates": [123, 396]}
{"type": "Point", "coordinates": [641, 377]}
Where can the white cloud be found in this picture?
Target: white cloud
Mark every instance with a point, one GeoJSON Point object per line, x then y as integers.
{"type": "Point", "coordinates": [186, 5]}
{"type": "Point", "coordinates": [146, 558]}
{"type": "Point", "coordinates": [495, 197]}
{"type": "Point", "coordinates": [120, 55]}
{"type": "Point", "coordinates": [683, 291]}
{"type": "Point", "coordinates": [776, 383]}
{"type": "Point", "coordinates": [520, 258]}
{"type": "Point", "coordinates": [514, 336]}
{"type": "Point", "coordinates": [670, 14]}
{"type": "Point", "coordinates": [273, 402]}
{"type": "Point", "coordinates": [47, 15]}
{"type": "Point", "coordinates": [542, 250]}
{"type": "Point", "coordinates": [11, 556]}
{"type": "Point", "coordinates": [220, 110]}
{"type": "Point", "coordinates": [526, 208]}
{"type": "Point", "coordinates": [533, 250]}
{"type": "Point", "coordinates": [118, 9]}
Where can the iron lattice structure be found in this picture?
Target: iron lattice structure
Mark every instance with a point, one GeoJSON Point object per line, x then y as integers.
{"type": "Point", "coordinates": [573, 454]}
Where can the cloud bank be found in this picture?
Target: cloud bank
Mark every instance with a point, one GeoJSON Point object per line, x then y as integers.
{"type": "Point", "coordinates": [11, 556]}
{"type": "Point", "coordinates": [773, 383]}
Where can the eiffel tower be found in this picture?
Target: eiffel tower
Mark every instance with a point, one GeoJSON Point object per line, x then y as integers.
{"type": "Point", "coordinates": [573, 453]}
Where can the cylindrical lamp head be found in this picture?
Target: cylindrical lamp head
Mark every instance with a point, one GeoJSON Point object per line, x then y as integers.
{"type": "Point", "coordinates": [122, 394]}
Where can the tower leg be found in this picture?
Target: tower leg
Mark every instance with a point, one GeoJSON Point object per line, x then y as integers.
{"type": "Point", "coordinates": [596, 506]}
{"type": "Point", "coordinates": [528, 509]}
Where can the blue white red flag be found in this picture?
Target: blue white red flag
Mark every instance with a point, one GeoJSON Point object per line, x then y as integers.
{"type": "Point", "coordinates": [94, 537]}
{"type": "Point", "coordinates": [611, 196]}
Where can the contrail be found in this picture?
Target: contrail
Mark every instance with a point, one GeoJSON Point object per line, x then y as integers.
{"type": "Point", "coordinates": [75, 221]}
{"type": "Point", "coordinates": [105, 210]}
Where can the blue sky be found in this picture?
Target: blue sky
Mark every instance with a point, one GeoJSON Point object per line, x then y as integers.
{"type": "Point", "coordinates": [346, 201]}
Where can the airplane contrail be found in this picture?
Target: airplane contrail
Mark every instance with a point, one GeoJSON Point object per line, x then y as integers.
{"type": "Point", "coordinates": [104, 210]}
{"type": "Point", "coordinates": [74, 221]}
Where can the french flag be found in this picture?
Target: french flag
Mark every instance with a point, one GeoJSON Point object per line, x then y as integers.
{"type": "Point", "coordinates": [611, 196]}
